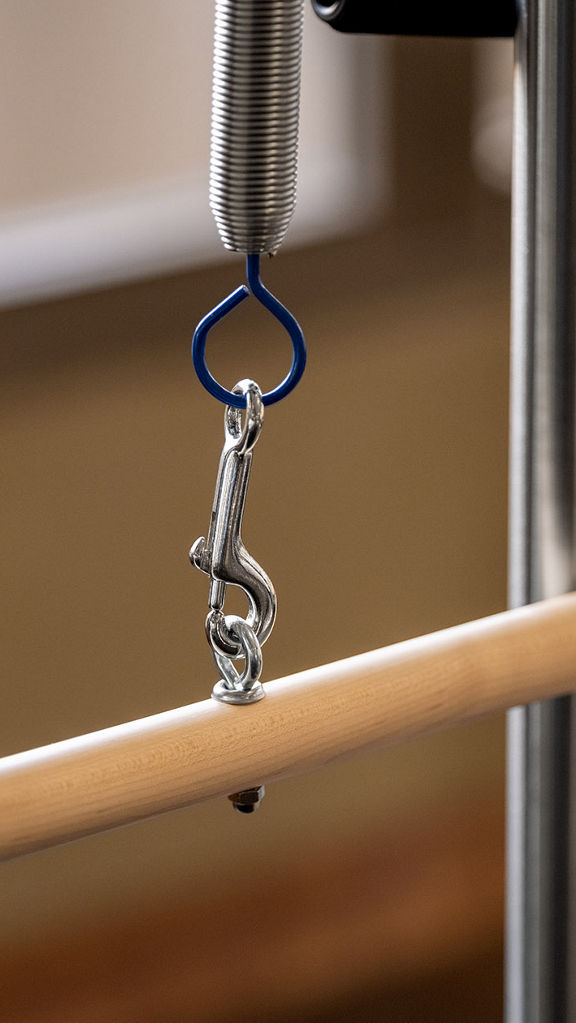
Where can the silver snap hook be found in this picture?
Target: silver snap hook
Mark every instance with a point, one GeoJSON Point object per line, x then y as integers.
{"type": "Point", "coordinates": [222, 554]}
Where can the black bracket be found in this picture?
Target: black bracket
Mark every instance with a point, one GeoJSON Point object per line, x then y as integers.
{"type": "Point", "coordinates": [481, 19]}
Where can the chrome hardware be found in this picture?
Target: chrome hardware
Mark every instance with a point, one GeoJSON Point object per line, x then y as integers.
{"type": "Point", "coordinates": [255, 112]}
{"type": "Point", "coordinates": [222, 555]}
{"type": "Point", "coordinates": [234, 687]}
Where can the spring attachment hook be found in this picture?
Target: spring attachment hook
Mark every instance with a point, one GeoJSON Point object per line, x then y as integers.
{"type": "Point", "coordinates": [224, 558]}
{"type": "Point", "coordinates": [255, 287]}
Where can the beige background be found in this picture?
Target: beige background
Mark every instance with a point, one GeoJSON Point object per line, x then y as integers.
{"type": "Point", "coordinates": [377, 505]}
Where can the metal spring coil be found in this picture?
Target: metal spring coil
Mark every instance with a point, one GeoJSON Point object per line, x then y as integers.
{"type": "Point", "coordinates": [255, 107]}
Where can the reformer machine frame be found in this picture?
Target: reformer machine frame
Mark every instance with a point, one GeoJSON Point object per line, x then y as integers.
{"type": "Point", "coordinates": [541, 858]}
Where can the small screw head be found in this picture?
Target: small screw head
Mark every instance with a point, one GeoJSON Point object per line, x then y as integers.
{"type": "Point", "coordinates": [248, 800]}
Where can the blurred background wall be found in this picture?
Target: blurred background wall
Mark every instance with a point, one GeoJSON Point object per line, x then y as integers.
{"type": "Point", "coordinates": [371, 890]}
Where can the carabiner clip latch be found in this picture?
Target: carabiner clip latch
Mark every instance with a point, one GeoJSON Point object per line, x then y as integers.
{"type": "Point", "coordinates": [222, 555]}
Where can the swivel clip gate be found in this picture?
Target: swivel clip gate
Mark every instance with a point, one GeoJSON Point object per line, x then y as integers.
{"type": "Point", "coordinates": [224, 558]}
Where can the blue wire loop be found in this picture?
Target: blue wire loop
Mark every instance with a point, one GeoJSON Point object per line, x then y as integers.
{"type": "Point", "coordinates": [271, 303]}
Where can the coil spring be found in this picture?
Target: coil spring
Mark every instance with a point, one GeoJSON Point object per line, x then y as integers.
{"type": "Point", "coordinates": [255, 107]}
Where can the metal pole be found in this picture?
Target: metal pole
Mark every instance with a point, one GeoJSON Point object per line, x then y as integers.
{"type": "Point", "coordinates": [541, 856]}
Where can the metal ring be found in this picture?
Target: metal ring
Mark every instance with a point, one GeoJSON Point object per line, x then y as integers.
{"type": "Point", "coordinates": [220, 638]}
{"type": "Point", "coordinates": [235, 687]}
{"type": "Point", "coordinates": [271, 303]}
{"type": "Point", "coordinates": [242, 435]}
{"type": "Point", "coordinates": [250, 649]}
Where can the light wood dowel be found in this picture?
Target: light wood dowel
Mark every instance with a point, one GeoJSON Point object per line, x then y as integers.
{"type": "Point", "coordinates": [131, 771]}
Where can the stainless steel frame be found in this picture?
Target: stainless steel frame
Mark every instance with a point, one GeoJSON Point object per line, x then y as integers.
{"type": "Point", "coordinates": [542, 540]}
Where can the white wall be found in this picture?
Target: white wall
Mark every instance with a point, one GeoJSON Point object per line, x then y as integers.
{"type": "Point", "coordinates": [105, 111]}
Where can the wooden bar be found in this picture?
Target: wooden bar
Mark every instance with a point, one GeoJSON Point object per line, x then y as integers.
{"type": "Point", "coordinates": [135, 770]}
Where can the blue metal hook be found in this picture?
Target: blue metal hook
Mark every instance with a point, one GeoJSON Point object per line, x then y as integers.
{"type": "Point", "coordinates": [271, 303]}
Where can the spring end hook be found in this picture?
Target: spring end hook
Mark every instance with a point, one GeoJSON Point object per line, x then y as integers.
{"type": "Point", "coordinates": [255, 287]}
